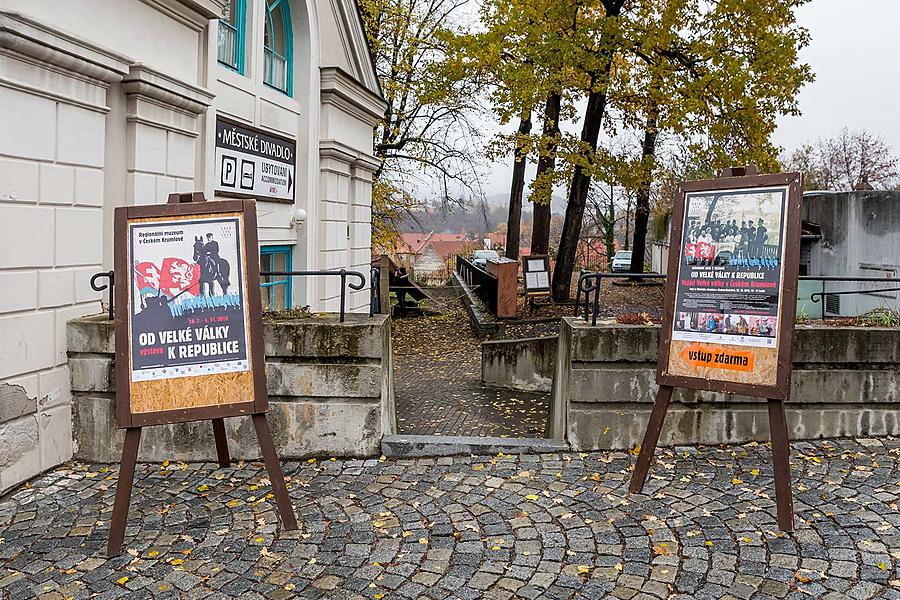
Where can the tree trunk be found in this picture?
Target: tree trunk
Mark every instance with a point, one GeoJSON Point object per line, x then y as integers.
{"type": "Point", "coordinates": [540, 236]}
{"type": "Point", "coordinates": [610, 233]}
{"type": "Point", "coordinates": [581, 178]}
{"type": "Point", "coordinates": [627, 244]}
{"type": "Point", "coordinates": [642, 204]}
{"type": "Point", "coordinates": [520, 155]}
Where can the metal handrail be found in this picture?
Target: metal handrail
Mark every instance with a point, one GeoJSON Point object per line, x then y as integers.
{"type": "Point", "coordinates": [374, 291]}
{"type": "Point", "coordinates": [817, 297]}
{"type": "Point", "coordinates": [111, 278]}
{"type": "Point", "coordinates": [589, 281]}
{"type": "Point", "coordinates": [342, 273]}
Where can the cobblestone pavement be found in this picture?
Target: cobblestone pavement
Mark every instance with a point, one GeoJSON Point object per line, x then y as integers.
{"type": "Point", "coordinates": [548, 526]}
{"type": "Point", "coordinates": [437, 380]}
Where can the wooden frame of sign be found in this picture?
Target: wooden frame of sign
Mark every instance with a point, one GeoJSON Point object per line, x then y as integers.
{"type": "Point", "coordinates": [723, 351]}
{"type": "Point", "coordinates": [182, 354]}
{"type": "Point", "coordinates": [531, 292]}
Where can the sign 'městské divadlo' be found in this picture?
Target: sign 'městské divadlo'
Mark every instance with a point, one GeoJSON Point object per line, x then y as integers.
{"type": "Point", "coordinates": [251, 163]}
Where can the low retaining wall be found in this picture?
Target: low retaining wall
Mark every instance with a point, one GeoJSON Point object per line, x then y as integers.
{"type": "Point", "coordinates": [845, 383]}
{"type": "Point", "coordinates": [330, 388]}
{"type": "Point", "coordinates": [526, 364]}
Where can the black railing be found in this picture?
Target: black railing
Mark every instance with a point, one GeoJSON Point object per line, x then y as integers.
{"type": "Point", "coordinates": [111, 278]}
{"type": "Point", "coordinates": [482, 283]}
{"type": "Point", "coordinates": [374, 291]}
{"type": "Point", "coordinates": [589, 283]}
{"type": "Point", "coordinates": [817, 297]}
{"type": "Point", "coordinates": [342, 273]}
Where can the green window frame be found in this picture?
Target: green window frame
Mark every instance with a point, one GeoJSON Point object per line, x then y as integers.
{"type": "Point", "coordinates": [230, 40]}
{"type": "Point", "coordinates": [278, 47]}
{"type": "Point", "coordinates": [275, 293]}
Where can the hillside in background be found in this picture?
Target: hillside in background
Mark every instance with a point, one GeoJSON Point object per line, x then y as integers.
{"type": "Point", "coordinates": [475, 219]}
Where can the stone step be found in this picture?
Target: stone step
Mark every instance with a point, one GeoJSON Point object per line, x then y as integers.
{"type": "Point", "coordinates": [402, 446]}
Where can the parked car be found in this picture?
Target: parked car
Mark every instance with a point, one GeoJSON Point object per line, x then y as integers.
{"type": "Point", "coordinates": [480, 257]}
{"type": "Point", "coordinates": [621, 262]}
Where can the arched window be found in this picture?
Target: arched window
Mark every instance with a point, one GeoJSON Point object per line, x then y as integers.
{"type": "Point", "coordinates": [277, 53]}
{"type": "Point", "coordinates": [231, 36]}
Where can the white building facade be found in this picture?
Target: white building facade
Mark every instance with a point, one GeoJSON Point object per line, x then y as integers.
{"type": "Point", "coordinates": [107, 103]}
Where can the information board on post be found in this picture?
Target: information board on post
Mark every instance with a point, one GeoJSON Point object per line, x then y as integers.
{"type": "Point", "coordinates": [730, 301]}
{"type": "Point", "coordinates": [251, 163]}
{"type": "Point", "coordinates": [536, 271]}
{"type": "Point", "coordinates": [188, 328]}
{"type": "Point", "coordinates": [731, 294]}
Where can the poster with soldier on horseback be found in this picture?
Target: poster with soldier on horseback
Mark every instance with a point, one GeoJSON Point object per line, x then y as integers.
{"type": "Point", "coordinates": [186, 298]}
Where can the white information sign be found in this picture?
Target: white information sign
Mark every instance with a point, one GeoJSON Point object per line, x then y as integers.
{"type": "Point", "coordinates": [251, 163]}
{"type": "Point", "coordinates": [537, 273]}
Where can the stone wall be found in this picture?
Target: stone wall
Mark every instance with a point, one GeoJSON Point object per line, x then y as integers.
{"type": "Point", "coordinates": [526, 364]}
{"type": "Point", "coordinates": [330, 391]}
{"type": "Point", "coordinates": [845, 383]}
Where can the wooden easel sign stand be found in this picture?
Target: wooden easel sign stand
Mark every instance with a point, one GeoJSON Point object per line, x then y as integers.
{"type": "Point", "coordinates": [730, 301]}
{"type": "Point", "coordinates": [189, 341]}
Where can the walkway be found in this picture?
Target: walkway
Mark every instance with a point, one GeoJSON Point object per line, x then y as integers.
{"type": "Point", "coordinates": [437, 380]}
{"type": "Point", "coordinates": [540, 526]}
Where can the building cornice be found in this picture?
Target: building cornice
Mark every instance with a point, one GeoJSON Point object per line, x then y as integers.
{"type": "Point", "coordinates": [340, 89]}
{"type": "Point", "coordinates": [28, 37]}
{"type": "Point", "coordinates": [333, 149]}
{"type": "Point", "coordinates": [193, 13]}
{"type": "Point", "coordinates": [150, 83]}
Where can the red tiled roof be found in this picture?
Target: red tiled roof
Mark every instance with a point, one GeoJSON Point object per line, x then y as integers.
{"type": "Point", "coordinates": [412, 242]}
{"type": "Point", "coordinates": [415, 243]}
{"type": "Point", "coordinates": [448, 237]}
{"type": "Point", "coordinates": [446, 249]}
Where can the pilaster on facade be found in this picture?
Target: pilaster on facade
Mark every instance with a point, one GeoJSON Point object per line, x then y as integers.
{"type": "Point", "coordinates": [163, 127]}
{"type": "Point", "coordinates": [345, 204]}
{"type": "Point", "coordinates": [115, 108]}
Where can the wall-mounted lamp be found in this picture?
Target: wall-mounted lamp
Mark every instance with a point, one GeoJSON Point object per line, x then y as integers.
{"type": "Point", "coordinates": [298, 218]}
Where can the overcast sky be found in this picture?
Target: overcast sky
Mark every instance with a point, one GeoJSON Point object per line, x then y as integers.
{"type": "Point", "coordinates": [855, 54]}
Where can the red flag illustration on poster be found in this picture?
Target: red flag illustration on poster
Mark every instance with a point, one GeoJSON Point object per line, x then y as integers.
{"type": "Point", "coordinates": [179, 276]}
{"type": "Point", "coordinates": [147, 278]}
{"type": "Point", "coordinates": [176, 277]}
